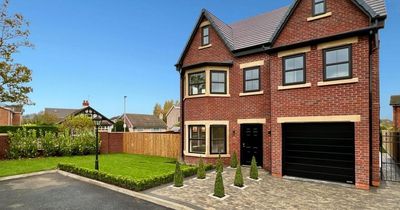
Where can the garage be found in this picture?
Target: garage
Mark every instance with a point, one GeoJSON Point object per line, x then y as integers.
{"type": "Point", "coordinates": [322, 151]}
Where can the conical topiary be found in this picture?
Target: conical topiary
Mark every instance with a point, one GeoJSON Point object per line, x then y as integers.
{"type": "Point", "coordinates": [220, 166]}
{"type": "Point", "coordinates": [234, 161]}
{"type": "Point", "coordinates": [178, 177]}
{"type": "Point", "coordinates": [238, 177]}
{"type": "Point", "coordinates": [253, 169]}
{"type": "Point", "coordinates": [219, 190]}
{"type": "Point", "coordinates": [201, 171]}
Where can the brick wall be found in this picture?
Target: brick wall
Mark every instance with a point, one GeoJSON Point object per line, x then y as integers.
{"type": "Point", "coordinates": [5, 117]}
{"type": "Point", "coordinates": [345, 99]}
{"type": "Point", "coordinates": [396, 116]}
{"type": "Point", "coordinates": [3, 145]}
{"type": "Point", "coordinates": [111, 142]}
{"type": "Point", "coordinates": [298, 29]}
{"type": "Point", "coordinates": [16, 119]}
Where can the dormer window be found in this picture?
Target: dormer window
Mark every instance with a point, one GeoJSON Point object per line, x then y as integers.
{"type": "Point", "coordinates": [319, 7]}
{"type": "Point", "coordinates": [205, 36]}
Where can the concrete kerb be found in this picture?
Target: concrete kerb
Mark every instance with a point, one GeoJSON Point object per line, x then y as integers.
{"type": "Point", "coordinates": [26, 175]}
{"type": "Point", "coordinates": [142, 196]}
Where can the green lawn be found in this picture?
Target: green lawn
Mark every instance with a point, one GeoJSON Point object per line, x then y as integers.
{"type": "Point", "coordinates": [134, 166]}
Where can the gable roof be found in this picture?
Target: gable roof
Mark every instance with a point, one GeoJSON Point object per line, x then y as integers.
{"type": "Point", "coordinates": [145, 121]}
{"type": "Point", "coordinates": [62, 114]}
{"type": "Point", "coordinates": [395, 100]}
{"type": "Point", "coordinates": [176, 106]}
{"type": "Point", "coordinates": [264, 28]}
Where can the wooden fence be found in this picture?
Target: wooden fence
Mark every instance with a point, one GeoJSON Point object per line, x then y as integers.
{"type": "Point", "coordinates": [156, 144]}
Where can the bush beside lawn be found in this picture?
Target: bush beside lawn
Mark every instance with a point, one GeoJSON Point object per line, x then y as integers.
{"type": "Point", "coordinates": [135, 172]}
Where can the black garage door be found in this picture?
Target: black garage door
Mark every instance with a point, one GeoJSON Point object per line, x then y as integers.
{"type": "Point", "coordinates": [319, 151]}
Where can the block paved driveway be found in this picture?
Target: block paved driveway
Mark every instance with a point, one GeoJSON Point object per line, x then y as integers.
{"type": "Point", "coordinates": [55, 191]}
{"type": "Point", "coordinates": [276, 193]}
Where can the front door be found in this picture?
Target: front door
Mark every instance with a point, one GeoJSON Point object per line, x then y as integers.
{"type": "Point", "coordinates": [251, 143]}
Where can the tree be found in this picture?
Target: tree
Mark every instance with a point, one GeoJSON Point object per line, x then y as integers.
{"type": "Point", "coordinates": [178, 176]}
{"type": "Point", "coordinates": [201, 170]}
{"type": "Point", "coordinates": [157, 110]}
{"type": "Point", "coordinates": [220, 165]}
{"type": "Point", "coordinates": [14, 77]}
{"type": "Point", "coordinates": [234, 161]}
{"type": "Point", "coordinates": [119, 126]}
{"type": "Point", "coordinates": [41, 118]}
{"type": "Point", "coordinates": [238, 177]}
{"type": "Point", "coordinates": [79, 123]}
{"type": "Point", "coordinates": [253, 169]}
{"type": "Point", "coordinates": [219, 190]}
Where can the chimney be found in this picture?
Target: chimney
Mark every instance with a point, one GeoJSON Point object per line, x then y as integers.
{"type": "Point", "coordinates": [85, 103]}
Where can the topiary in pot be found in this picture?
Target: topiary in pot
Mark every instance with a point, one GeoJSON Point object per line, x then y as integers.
{"type": "Point", "coordinates": [220, 166]}
{"type": "Point", "coordinates": [201, 170]}
{"type": "Point", "coordinates": [219, 190]}
{"type": "Point", "coordinates": [238, 177]}
{"type": "Point", "coordinates": [253, 169]}
{"type": "Point", "coordinates": [178, 176]}
{"type": "Point", "coordinates": [234, 161]}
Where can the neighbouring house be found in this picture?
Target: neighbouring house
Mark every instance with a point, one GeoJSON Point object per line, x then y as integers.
{"type": "Point", "coordinates": [395, 103]}
{"type": "Point", "coordinates": [297, 88]}
{"type": "Point", "coordinates": [143, 123]}
{"type": "Point", "coordinates": [174, 118]}
{"type": "Point", "coordinates": [62, 114]}
{"type": "Point", "coordinates": [11, 115]}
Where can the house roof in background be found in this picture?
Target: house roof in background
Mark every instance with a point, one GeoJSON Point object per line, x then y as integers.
{"type": "Point", "coordinates": [176, 106]}
{"type": "Point", "coordinates": [145, 121]}
{"type": "Point", "coordinates": [60, 113]}
{"type": "Point", "coordinates": [395, 100]}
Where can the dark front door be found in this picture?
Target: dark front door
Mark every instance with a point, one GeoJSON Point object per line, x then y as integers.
{"type": "Point", "coordinates": [251, 143]}
{"type": "Point", "coordinates": [319, 151]}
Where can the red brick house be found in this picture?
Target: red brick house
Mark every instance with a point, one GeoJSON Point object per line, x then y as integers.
{"type": "Point", "coordinates": [395, 103]}
{"type": "Point", "coordinates": [11, 115]}
{"type": "Point", "coordinates": [298, 88]}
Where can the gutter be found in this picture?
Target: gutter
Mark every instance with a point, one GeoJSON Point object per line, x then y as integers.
{"type": "Point", "coordinates": [182, 113]}
{"type": "Point", "coordinates": [373, 33]}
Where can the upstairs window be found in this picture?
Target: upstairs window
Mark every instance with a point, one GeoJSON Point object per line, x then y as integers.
{"type": "Point", "coordinates": [337, 63]}
{"type": "Point", "coordinates": [294, 71]}
{"type": "Point", "coordinates": [197, 83]}
{"type": "Point", "coordinates": [252, 79]}
{"type": "Point", "coordinates": [218, 82]}
{"type": "Point", "coordinates": [319, 7]}
{"type": "Point", "coordinates": [205, 34]}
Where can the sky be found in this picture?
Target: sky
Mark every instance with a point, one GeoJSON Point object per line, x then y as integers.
{"type": "Point", "coordinates": [103, 50]}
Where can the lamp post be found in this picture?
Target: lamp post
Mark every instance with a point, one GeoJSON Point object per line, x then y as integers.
{"type": "Point", "coordinates": [124, 113]}
{"type": "Point", "coordinates": [97, 121]}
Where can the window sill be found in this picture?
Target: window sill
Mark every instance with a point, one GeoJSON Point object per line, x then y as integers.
{"type": "Point", "coordinates": [209, 95]}
{"type": "Point", "coordinates": [205, 46]}
{"type": "Point", "coordinates": [206, 155]}
{"type": "Point", "coordinates": [338, 82]}
{"type": "Point", "coordinates": [328, 14]}
{"type": "Point", "coordinates": [251, 93]}
{"type": "Point", "coordinates": [288, 87]}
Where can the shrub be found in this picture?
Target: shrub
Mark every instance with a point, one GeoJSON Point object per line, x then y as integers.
{"type": "Point", "coordinates": [49, 144]}
{"type": "Point", "coordinates": [178, 177]}
{"type": "Point", "coordinates": [234, 161]}
{"type": "Point", "coordinates": [38, 129]}
{"type": "Point", "coordinates": [201, 171]}
{"type": "Point", "coordinates": [253, 169]}
{"type": "Point", "coordinates": [26, 143]}
{"type": "Point", "coordinates": [219, 190]}
{"type": "Point", "coordinates": [22, 144]}
{"type": "Point", "coordinates": [126, 182]}
{"type": "Point", "coordinates": [238, 177]}
{"type": "Point", "coordinates": [220, 166]}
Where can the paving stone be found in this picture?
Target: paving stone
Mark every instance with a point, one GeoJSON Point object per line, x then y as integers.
{"type": "Point", "coordinates": [276, 193]}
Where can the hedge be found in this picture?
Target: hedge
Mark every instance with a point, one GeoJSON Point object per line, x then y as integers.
{"type": "Point", "coordinates": [127, 182]}
{"type": "Point", "coordinates": [39, 129]}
